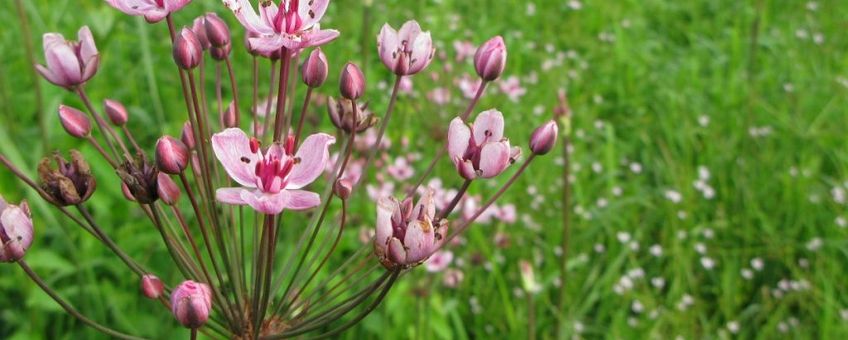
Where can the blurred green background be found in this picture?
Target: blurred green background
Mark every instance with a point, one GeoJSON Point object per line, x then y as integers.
{"type": "Point", "coordinates": [709, 167]}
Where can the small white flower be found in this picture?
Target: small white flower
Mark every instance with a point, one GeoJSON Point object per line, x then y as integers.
{"type": "Point", "coordinates": [616, 191]}
{"type": "Point", "coordinates": [841, 222]}
{"type": "Point", "coordinates": [623, 236]}
{"type": "Point", "coordinates": [733, 327]}
{"type": "Point", "coordinates": [757, 263]}
{"type": "Point", "coordinates": [700, 248]}
{"type": "Point", "coordinates": [747, 274]}
{"type": "Point", "coordinates": [814, 244]}
{"type": "Point", "coordinates": [636, 168]}
{"type": "Point", "coordinates": [634, 246]}
{"type": "Point", "coordinates": [708, 263]}
{"type": "Point", "coordinates": [637, 307]}
{"type": "Point", "coordinates": [656, 250]}
{"type": "Point", "coordinates": [658, 282]}
{"type": "Point", "coordinates": [704, 120]}
{"type": "Point", "coordinates": [599, 248]}
{"type": "Point", "coordinates": [597, 167]}
{"type": "Point", "coordinates": [673, 196]}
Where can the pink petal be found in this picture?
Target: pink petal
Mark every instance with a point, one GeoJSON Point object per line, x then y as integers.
{"type": "Point", "coordinates": [301, 199]}
{"type": "Point", "coordinates": [133, 7]}
{"type": "Point", "coordinates": [155, 15]}
{"type": "Point", "coordinates": [90, 67]}
{"type": "Point", "coordinates": [270, 204]}
{"type": "Point", "coordinates": [320, 37]}
{"type": "Point", "coordinates": [230, 195]}
{"type": "Point", "coordinates": [312, 158]}
{"type": "Point", "coordinates": [232, 147]}
{"type": "Point", "coordinates": [418, 241]}
{"type": "Point", "coordinates": [386, 206]}
{"type": "Point", "coordinates": [311, 12]}
{"type": "Point", "coordinates": [17, 225]}
{"type": "Point", "coordinates": [87, 47]}
{"type": "Point", "coordinates": [488, 127]}
{"type": "Point", "coordinates": [267, 44]}
{"type": "Point", "coordinates": [397, 253]}
{"type": "Point", "coordinates": [175, 5]}
{"type": "Point", "coordinates": [459, 136]}
{"type": "Point", "coordinates": [422, 52]}
{"type": "Point", "coordinates": [248, 18]}
{"type": "Point", "coordinates": [409, 31]}
{"type": "Point", "coordinates": [387, 46]}
{"type": "Point", "coordinates": [50, 76]}
{"type": "Point", "coordinates": [63, 62]}
{"type": "Point", "coordinates": [267, 13]}
{"type": "Point", "coordinates": [425, 202]}
{"type": "Point", "coordinates": [494, 158]}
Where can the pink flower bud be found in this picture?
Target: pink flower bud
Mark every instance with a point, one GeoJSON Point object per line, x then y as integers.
{"type": "Point", "coordinates": [116, 111]}
{"type": "Point", "coordinates": [15, 231]}
{"type": "Point", "coordinates": [220, 53]}
{"type": "Point", "coordinates": [314, 70]}
{"type": "Point", "coordinates": [544, 138]}
{"type": "Point", "coordinates": [187, 50]}
{"type": "Point", "coordinates": [74, 121]}
{"type": "Point", "coordinates": [217, 31]}
{"type": "Point", "coordinates": [151, 286]}
{"type": "Point", "coordinates": [69, 63]}
{"type": "Point", "coordinates": [199, 29]}
{"type": "Point", "coordinates": [228, 117]}
{"type": "Point", "coordinates": [490, 59]}
{"type": "Point", "coordinates": [188, 135]}
{"type": "Point", "coordinates": [171, 155]}
{"type": "Point", "coordinates": [127, 193]}
{"type": "Point", "coordinates": [168, 191]}
{"type": "Point", "coordinates": [191, 303]}
{"type": "Point", "coordinates": [352, 82]}
{"type": "Point", "coordinates": [343, 188]}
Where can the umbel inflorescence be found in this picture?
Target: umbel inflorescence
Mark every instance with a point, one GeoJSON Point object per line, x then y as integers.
{"type": "Point", "coordinates": [217, 194]}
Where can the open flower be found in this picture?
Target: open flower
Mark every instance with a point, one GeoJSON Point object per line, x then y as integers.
{"type": "Point", "coordinates": [152, 10]}
{"type": "Point", "coordinates": [293, 25]}
{"type": "Point", "coordinates": [15, 231]}
{"type": "Point", "coordinates": [481, 150]}
{"type": "Point", "coordinates": [407, 51]}
{"type": "Point", "coordinates": [69, 63]}
{"type": "Point", "coordinates": [271, 180]}
{"type": "Point", "coordinates": [406, 235]}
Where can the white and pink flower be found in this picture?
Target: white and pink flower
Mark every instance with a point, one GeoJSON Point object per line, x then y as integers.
{"type": "Point", "coordinates": [293, 24]}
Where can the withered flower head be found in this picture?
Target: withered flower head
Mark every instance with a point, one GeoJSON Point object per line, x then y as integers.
{"type": "Point", "coordinates": [343, 117]}
{"type": "Point", "coordinates": [140, 176]}
{"type": "Point", "coordinates": [70, 183]}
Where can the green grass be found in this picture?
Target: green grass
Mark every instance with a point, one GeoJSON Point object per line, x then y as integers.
{"type": "Point", "coordinates": [639, 97]}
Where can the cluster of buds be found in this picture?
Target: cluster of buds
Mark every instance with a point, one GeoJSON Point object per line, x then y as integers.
{"type": "Point", "coordinates": [267, 173]}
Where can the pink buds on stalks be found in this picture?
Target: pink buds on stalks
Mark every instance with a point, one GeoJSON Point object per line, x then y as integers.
{"type": "Point", "coordinates": [216, 30]}
{"type": "Point", "coordinates": [229, 119]}
{"type": "Point", "coordinates": [187, 136]}
{"type": "Point", "coordinates": [481, 150]}
{"type": "Point", "coordinates": [74, 121]}
{"type": "Point", "coordinates": [405, 52]}
{"type": "Point", "coordinates": [15, 230]}
{"type": "Point", "coordinates": [69, 183]}
{"type": "Point", "coordinates": [314, 70]}
{"type": "Point", "coordinates": [490, 59]}
{"type": "Point", "coordinates": [151, 286]}
{"type": "Point", "coordinates": [343, 187]}
{"type": "Point", "coordinates": [116, 111]}
{"type": "Point", "coordinates": [406, 235]}
{"type": "Point", "coordinates": [199, 29]}
{"type": "Point", "coordinates": [191, 303]}
{"type": "Point", "coordinates": [167, 189]}
{"type": "Point", "coordinates": [352, 82]}
{"type": "Point", "coordinates": [172, 156]}
{"type": "Point", "coordinates": [69, 63]}
{"type": "Point", "coordinates": [544, 138]}
{"type": "Point", "coordinates": [187, 49]}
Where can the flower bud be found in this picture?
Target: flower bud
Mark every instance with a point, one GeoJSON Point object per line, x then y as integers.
{"type": "Point", "coordinates": [314, 70]}
{"type": "Point", "coordinates": [528, 278]}
{"type": "Point", "coordinates": [228, 117]}
{"type": "Point", "coordinates": [151, 286]}
{"type": "Point", "coordinates": [199, 29]}
{"type": "Point", "coordinates": [126, 191]}
{"type": "Point", "coordinates": [216, 30]}
{"type": "Point", "coordinates": [140, 177]}
{"type": "Point", "coordinates": [74, 121]}
{"type": "Point", "coordinates": [188, 135]}
{"type": "Point", "coordinates": [220, 53]}
{"type": "Point", "coordinates": [352, 82]}
{"type": "Point", "coordinates": [171, 155]}
{"type": "Point", "coordinates": [191, 303]}
{"type": "Point", "coordinates": [15, 231]}
{"type": "Point", "coordinates": [187, 50]}
{"type": "Point", "coordinates": [490, 59]}
{"type": "Point", "coordinates": [343, 188]}
{"type": "Point", "coordinates": [544, 138]}
{"type": "Point", "coordinates": [168, 191]}
{"type": "Point", "coordinates": [116, 111]}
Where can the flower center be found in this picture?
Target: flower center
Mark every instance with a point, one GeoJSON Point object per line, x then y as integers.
{"type": "Point", "coordinates": [272, 170]}
{"type": "Point", "coordinates": [288, 13]}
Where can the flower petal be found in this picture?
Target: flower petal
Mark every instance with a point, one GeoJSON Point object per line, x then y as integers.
{"type": "Point", "coordinates": [301, 199]}
{"type": "Point", "coordinates": [409, 31]}
{"type": "Point", "coordinates": [397, 253]}
{"type": "Point", "coordinates": [419, 241]}
{"type": "Point", "coordinates": [63, 62]}
{"type": "Point", "coordinates": [175, 5]}
{"type": "Point", "coordinates": [230, 195]}
{"type": "Point", "coordinates": [50, 76]}
{"type": "Point", "coordinates": [494, 158]}
{"type": "Point", "coordinates": [266, 44]}
{"type": "Point", "coordinates": [232, 147]}
{"type": "Point", "coordinates": [459, 136]}
{"type": "Point", "coordinates": [312, 11]}
{"type": "Point", "coordinates": [488, 127]}
{"type": "Point", "coordinates": [87, 47]}
{"type": "Point", "coordinates": [311, 160]}
{"type": "Point", "coordinates": [387, 46]}
{"type": "Point", "coordinates": [422, 52]}
{"type": "Point", "coordinates": [318, 38]}
{"type": "Point", "coordinates": [248, 18]}
{"type": "Point", "coordinates": [386, 206]}
{"type": "Point", "coordinates": [266, 203]}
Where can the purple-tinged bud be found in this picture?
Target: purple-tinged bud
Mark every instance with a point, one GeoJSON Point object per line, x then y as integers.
{"type": "Point", "coordinates": [228, 117]}
{"type": "Point", "coordinates": [15, 230]}
{"type": "Point", "coordinates": [199, 29]}
{"type": "Point", "coordinates": [171, 155]}
{"type": "Point", "coordinates": [343, 187]}
{"type": "Point", "coordinates": [314, 70]}
{"type": "Point", "coordinates": [187, 50]}
{"type": "Point", "coordinates": [151, 286]}
{"type": "Point", "coordinates": [544, 138]}
{"type": "Point", "coordinates": [140, 176]}
{"type": "Point", "coordinates": [191, 303]}
{"type": "Point", "coordinates": [528, 278]}
{"type": "Point", "coordinates": [167, 189]}
{"type": "Point", "coordinates": [69, 63]}
{"type": "Point", "coordinates": [188, 135]}
{"type": "Point", "coordinates": [217, 31]}
{"type": "Point", "coordinates": [74, 121]}
{"type": "Point", "coordinates": [490, 59]}
{"type": "Point", "coordinates": [127, 193]}
{"type": "Point", "coordinates": [352, 82]}
{"type": "Point", "coordinates": [116, 111]}
{"type": "Point", "coordinates": [466, 169]}
{"type": "Point", "coordinates": [220, 53]}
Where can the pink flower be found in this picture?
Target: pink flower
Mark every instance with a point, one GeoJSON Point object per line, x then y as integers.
{"type": "Point", "coordinates": [293, 25]}
{"type": "Point", "coordinates": [452, 278]}
{"type": "Point", "coordinates": [507, 214]}
{"type": "Point", "coordinates": [191, 303]}
{"type": "Point", "coordinates": [406, 235]}
{"type": "Point", "coordinates": [69, 63]}
{"type": "Point", "coordinates": [511, 87]}
{"type": "Point", "coordinates": [400, 170]}
{"type": "Point", "coordinates": [464, 50]}
{"type": "Point", "coordinates": [270, 180]}
{"type": "Point", "coordinates": [405, 85]}
{"type": "Point", "coordinates": [152, 10]}
{"type": "Point", "coordinates": [405, 52]}
{"type": "Point", "coordinates": [439, 96]}
{"type": "Point", "coordinates": [383, 190]}
{"type": "Point", "coordinates": [15, 231]}
{"type": "Point", "coordinates": [468, 85]}
{"type": "Point", "coordinates": [481, 150]}
{"type": "Point", "coordinates": [439, 261]}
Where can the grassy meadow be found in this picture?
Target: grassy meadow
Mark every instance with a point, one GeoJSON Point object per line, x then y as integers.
{"type": "Point", "coordinates": [709, 167]}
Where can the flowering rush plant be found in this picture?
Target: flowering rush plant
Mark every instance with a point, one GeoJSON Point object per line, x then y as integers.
{"type": "Point", "coordinates": [221, 194]}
